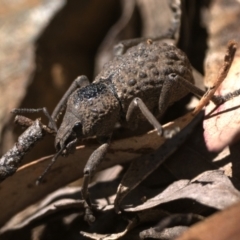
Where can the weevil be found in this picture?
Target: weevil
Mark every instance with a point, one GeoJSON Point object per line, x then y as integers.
{"type": "Point", "coordinates": [139, 84]}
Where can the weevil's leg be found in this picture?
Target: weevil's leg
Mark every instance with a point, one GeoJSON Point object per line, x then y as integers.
{"type": "Point", "coordinates": [164, 98]}
{"type": "Point", "coordinates": [216, 99]}
{"type": "Point", "coordinates": [138, 103]}
{"type": "Point", "coordinates": [79, 82]}
{"type": "Point", "coordinates": [91, 166]}
{"type": "Point", "coordinates": [167, 96]}
{"type": "Point", "coordinates": [36, 110]}
{"type": "Point", "coordinates": [164, 102]}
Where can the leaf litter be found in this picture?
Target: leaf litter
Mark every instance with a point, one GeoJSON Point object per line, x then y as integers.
{"type": "Point", "coordinates": [211, 188]}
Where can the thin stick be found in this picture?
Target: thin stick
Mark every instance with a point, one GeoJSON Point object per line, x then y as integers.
{"type": "Point", "coordinates": [228, 59]}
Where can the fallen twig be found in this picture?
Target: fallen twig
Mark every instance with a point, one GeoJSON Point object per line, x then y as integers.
{"type": "Point", "coordinates": [36, 130]}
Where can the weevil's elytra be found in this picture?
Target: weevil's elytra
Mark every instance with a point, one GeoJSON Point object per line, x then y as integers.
{"type": "Point", "coordinates": [157, 60]}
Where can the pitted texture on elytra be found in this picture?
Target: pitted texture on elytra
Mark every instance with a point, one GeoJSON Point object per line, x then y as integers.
{"type": "Point", "coordinates": [142, 71]}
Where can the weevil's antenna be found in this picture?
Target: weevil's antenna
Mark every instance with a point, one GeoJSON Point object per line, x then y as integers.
{"type": "Point", "coordinates": [40, 178]}
{"type": "Point", "coordinates": [36, 110]}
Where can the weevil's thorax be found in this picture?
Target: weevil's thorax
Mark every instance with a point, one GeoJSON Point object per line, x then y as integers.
{"type": "Point", "coordinates": [94, 108]}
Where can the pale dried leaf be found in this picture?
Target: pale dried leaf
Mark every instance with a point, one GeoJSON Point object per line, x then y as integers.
{"type": "Point", "coordinates": [222, 128]}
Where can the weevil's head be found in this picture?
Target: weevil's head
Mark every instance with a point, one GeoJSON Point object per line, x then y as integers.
{"type": "Point", "coordinates": [91, 111]}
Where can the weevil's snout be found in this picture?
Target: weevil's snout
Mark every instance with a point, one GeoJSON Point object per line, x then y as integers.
{"type": "Point", "coordinates": [67, 138]}
{"type": "Point", "coordinates": [66, 147]}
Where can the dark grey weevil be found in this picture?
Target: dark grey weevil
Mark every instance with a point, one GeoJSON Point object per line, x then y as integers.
{"type": "Point", "coordinates": [139, 84]}
{"type": "Point", "coordinates": [147, 72]}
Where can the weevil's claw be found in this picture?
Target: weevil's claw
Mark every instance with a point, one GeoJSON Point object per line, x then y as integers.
{"type": "Point", "coordinates": [39, 180]}
{"type": "Point", "coordinates": [169, 133]}
{"type": "Point", "coordinates": [89, 218]}
{"type": "Point", "coordinates": [160, 132]}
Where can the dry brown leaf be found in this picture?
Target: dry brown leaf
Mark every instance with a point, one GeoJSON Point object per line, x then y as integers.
{"type": "Point", "coordinates": [211, 188]}
{"type": "Point", "coordinates": [221, 226]}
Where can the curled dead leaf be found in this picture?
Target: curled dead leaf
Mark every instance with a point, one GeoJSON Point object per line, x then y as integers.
{"type": "Point", "coordinates": [211, 188]}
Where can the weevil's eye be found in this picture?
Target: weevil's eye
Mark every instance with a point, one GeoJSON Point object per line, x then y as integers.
{"type": "Point", "coordinates": [77, 126]}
